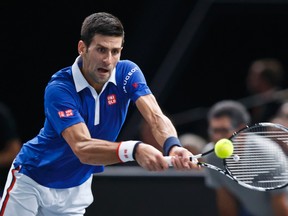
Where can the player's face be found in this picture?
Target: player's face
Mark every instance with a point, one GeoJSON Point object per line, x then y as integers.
{"type": "Point", "coordinates": [100, 58]}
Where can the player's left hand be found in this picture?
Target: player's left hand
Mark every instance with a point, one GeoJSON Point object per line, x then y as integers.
{"type": "Point", "coordinates": [181, 159]}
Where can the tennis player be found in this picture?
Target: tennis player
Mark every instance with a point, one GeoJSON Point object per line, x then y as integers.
{"type": "Point", "coordinates": [85, 107]}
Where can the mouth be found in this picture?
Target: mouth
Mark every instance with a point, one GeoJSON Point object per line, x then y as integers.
{"type": "Point", "coordinates": [102, 70]}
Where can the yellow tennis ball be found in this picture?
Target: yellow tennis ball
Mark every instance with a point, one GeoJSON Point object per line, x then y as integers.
{"type": "Point", "coordinates": [224, 148]}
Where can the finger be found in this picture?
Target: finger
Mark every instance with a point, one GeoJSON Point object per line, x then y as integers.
{"type": "Point", "coordinates": [181, 163]}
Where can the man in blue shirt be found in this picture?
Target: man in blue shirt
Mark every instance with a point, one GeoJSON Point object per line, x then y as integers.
{"type": "Point", "coordinates": [85, 107]}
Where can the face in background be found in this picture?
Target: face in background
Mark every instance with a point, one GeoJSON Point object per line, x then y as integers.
{"type": "Point", "coordinates": [220, 127]}
{"type": "Point", "coordinates": [254, 81]}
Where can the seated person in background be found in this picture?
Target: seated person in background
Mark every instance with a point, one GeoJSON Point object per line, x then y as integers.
{"type": "Point", "coordinates": [224, 118]}
{"type": "Point", "coordinates": [10, 143]}
{"type": "Point", "coordinates": [193, 142]}
{"type": "Point", "coordinates": [281, 117]}
{"type": "Point", "coordinates": [265, 77]}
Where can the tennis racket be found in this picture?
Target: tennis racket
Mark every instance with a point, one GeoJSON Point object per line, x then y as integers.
{"type": "Point", "coordinates": [259, 160]}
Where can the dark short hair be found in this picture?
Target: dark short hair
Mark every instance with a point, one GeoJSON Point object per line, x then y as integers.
{"type": "Point", "coordinates": [234, 110]}
{"type": "Point", "coordinates": [102, 23]}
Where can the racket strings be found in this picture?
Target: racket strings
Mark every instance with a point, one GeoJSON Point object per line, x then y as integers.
{"type": "Point", "coordinates": [261, 157]}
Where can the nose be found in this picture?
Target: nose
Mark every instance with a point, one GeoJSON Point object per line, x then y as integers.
{"type": "Point", "coordinates": [107, 58]}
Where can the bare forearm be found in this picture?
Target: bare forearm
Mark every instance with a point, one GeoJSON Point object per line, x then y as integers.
{"type": "Point", "coordinates": [161, 126]}
{"type": "Point", "coordinates": [90, 150]}
{"type": "Point", "coordinates": [162, 129]}
{"type": "Point", "coordinates": [97, 152]}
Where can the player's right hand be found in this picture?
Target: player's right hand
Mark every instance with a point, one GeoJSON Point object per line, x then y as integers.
{"type": "Point", "coordinates": [181, 159]}
{"type": "Point", "coordinates": [150, 158]}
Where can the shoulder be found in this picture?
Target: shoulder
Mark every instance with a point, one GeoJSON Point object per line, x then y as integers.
{"type": "Point", "coordinates": [126, 62]}
{"type": "Point", "coordinates": [127, 66]}
{"type": "Point", "coordinates": [61, 81]}
{"type": "Point", "coordinates": [128, 71]}
{"type": "Point", "coordinates": [61, 77]}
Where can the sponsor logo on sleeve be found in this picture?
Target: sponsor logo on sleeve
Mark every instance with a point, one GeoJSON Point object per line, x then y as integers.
{"type": "Point", "coordinates": [130, 73]}
{"type": "Point", "coordinates": [65, 113]}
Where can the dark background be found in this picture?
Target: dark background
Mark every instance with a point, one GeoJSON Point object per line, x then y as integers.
{"type": "Point", "coordinates": [193, 53]}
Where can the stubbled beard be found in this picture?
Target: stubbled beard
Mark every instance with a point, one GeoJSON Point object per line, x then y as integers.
{"type": "Point", "coordinates": [101, 80]}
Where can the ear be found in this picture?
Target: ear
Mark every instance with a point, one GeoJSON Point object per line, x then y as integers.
{"type": "Point", "coordinates": [81, 47]}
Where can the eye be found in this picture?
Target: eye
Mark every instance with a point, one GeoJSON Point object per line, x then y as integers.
{"type": "Point", "coordinates": [115, 52]}
{"type": "Point", "coordinates": [101, 49]}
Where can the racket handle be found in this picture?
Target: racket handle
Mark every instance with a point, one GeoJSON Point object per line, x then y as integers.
{"type": "Point", "coordinates": [169, 159]}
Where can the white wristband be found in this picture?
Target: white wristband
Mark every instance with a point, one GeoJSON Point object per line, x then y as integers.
{"type": "Point", "coordinates": [126, 149]}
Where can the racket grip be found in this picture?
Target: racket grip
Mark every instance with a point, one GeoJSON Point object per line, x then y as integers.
{"type": "Point", "coordinates": [192, 158]}
{"type": "Point", "coordinates": [168, 160]}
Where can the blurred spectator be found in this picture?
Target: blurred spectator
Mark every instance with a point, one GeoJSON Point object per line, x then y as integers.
{"type": "Point", "coordinates": [10, 143]}
{"type": "Point", "coordinates": [193, 142]}
{"type": "Point", "coordinates": [224, 118]}
{"type": "Point", "coordinates": [265, 77]}
{"type": "Point", "coordinates": [281, 116]}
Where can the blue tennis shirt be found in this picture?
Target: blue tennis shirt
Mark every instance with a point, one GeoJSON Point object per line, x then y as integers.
{"type": "Point", "coordinates": [68, 100]}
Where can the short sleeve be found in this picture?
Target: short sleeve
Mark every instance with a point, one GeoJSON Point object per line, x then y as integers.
{"type": "Point", "coordinates": [61, 107]}
{"type": "Point", "coordinates": [133, 80]}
